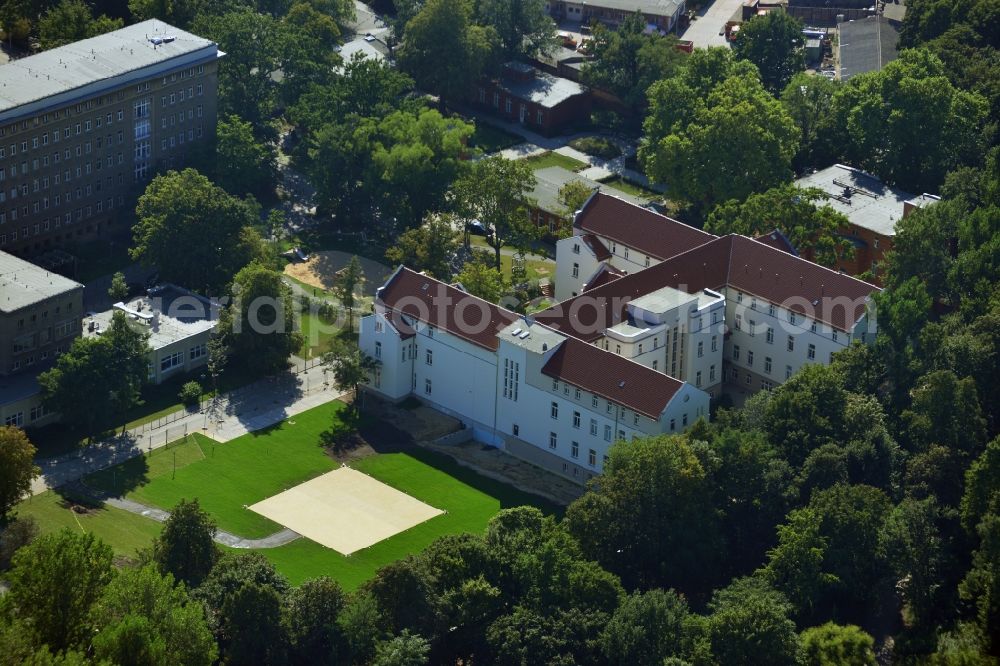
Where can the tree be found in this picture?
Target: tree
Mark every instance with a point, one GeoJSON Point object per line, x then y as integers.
{"type": "Point", "coordinates": [837, 645]}
{"type": "Point", "coordinates": [481, 279]}
{"type": "Point", "coordinates": [444, 51]}
{"type": "Point", "coordinates": [981, 585]}
{"type": "Point", "coordinates": [351, 366]}
{"type": "Point", "coordinates": [118, 291]}
{"type": "Point", "coordinates": [713, 133]}
{"type": "Point", "coordinates": [573, 195]}
{"type": "Point", "coordinates": [116, 362]}
{"type": "Point", "coordinates": [808, 99]}
{"type": "Point", "coordinates": [180, 13]}
{"type": "Point", "coordinates": [982, 487]}
{"type": "Point", "coordinates": [349, 280]}
{"type": "Point", "coordinates": [812, 226]}
{"type": "Point", "coordinates": [749, 625]}
{"type": "Point", "coordinates": [185, 548]}
{"type": "Point", "coordinates": [70, 21]}
{"type": "Point", "coordinates": [218, 355]}
{"type": "Point", "coordinates": [795, 565]}
{"type": "Point", "coordinates": [253, 45]}
{"type": "Point", "coordinates": [945, 411]}
{"type": "Point", "coordinates": [17, 468]}
{"type": "Point", "coordinates": [244, 164]}
{"type": "Point", "coordinates": [907, 123]}
{"type": "Point", "coordinates": [178, 207]}
{"type": "Point", "coordinates": [17, 533]}
{"type": "Point", "coordinates": [54, 582]}
{"type": "Point", "coordinates": [251, 624]}
{"type": "Point", "coordinates": [651, 519]}
{"type": "Point", "coordinates": [161, 618]}
{"type": "Point", "coordinates": [495, 191]}
{"type": "Point", "coordinates": [429, 247]}
{"type": "Point", "coordinates": [647, 628]}
{"type": "Point", "coordinates": [774, 43]}
{"type": "Point", "coordinates": [310, 619]}
{"type": "Point", "coordinates": [806, 412]}
{"type": "Point", "coordinates": [308, 56]}
{"type": "Point", "coordinates": [627, 60]}
{"type": "Point", "coordinates": [260, 322]}
{"type": "Point", "coordinates": [406, 649]}
{"type": "Point", "coordinates": [523, 27]}
{"type": "Point", "coordinates": [235, 570]}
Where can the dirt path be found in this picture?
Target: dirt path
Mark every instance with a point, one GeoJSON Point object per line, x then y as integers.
{"type": "Point", "coordinates": [321, 270]}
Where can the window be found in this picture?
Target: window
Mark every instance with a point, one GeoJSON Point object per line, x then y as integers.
{"type": "Point", "coordinates": [788, 372]}
{"type": "Point", "coordinates": [711, 373]}
{"type": "Point", "coordinates": [576, 419]}
{"type": "Point", "coordinates": [507, 105]}
{"type": "Point", "coordinates": [593, 401]}
{"type": "Point", "coordinates": [753, 328]}
{"type": "Point", "coordinates": [37, 412]}
{"type": "Point", "coordinates": [429, 357]}
{"type": "Point", "coordinates": [592, 457]}
{"type": "Point", "coordinates": [576, 248]}
{"type": "Point", "coordinates": [607, 433]}
{"type": "Point", "coordinates": [697, 379]}
{"type": "Point", "coordinates": [539, 117]}
{"type": "Point", "coordinates": [618, 349]}
{"type": "Point", "coordinates": [554, 410]}
{"type": "Point", "coordinates": [715, 343]}
{"type": "Point", "coordinates": [812, 327]}
{"type": "Point", "coordinates": [750, 357]}
{"type": "Point", "coordinates": [791, 343]}
{"type": "Point", "coordinates": [593, 427]}
{"type": "Point", "coordinates": [767, 364]}
{"type": "Point", "coordinates": [378, 350]}
{"type": "Point", "coordinates": [835, 336]}
{"type": "Point", "coordinates": [811, 352]}
{"type": "Point", "coordinates": [427, 386]}
{"type": "Point", "coordinates": [739, 297]}
{"type": "Point", "coordinates": [576, 394]}
{"type": "Point", "coordinates": [15, 419]}
{"type": "Point", "coordinates": [736, 352]}
{"type": "Point", "coordinates": [738, 325]}
{"type": "Point", "coordinates": [684, 419]}
{"type": "Point", "coordinates": [766, 385]}
{"type": "Point", "coordinates": [753, 303]}
{"type": "Point", "coordinates": [574, 449]}
{"type": "Point", "coordinates": [516, 429]}
{"type": "Point", "coordinates": [171, 361]}
{"type": "Point", "coordinates": [673, 424]}
{"type": "Point", "coordinates": [553, 441]}
{"type": "Point", "coordinates": [749, 379]}
{"type": "Point", "coordinates": [198, 351]}
{"type": "Point", "coordinates": [576, 270]}
{"type": "Point", "coordinates": [770, 335]}
{"type": "Point", "coordinates": [791, 318]}
{"type": "Point", "coordinates": [770, 309]}
{"type": "Point", "coordinates": [701, 349]}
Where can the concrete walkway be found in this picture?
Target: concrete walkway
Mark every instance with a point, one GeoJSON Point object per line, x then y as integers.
{"type": "Point", "coordinates": [250, 408]}
{"type": "Point", "coordinates": [279, 538]}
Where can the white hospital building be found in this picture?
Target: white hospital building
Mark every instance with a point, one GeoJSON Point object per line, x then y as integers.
{"type": "Point", "coordinates": [654, 319]}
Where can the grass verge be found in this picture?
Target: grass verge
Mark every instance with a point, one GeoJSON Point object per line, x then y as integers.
{"type": "Point", "coordinates": [551, 158]}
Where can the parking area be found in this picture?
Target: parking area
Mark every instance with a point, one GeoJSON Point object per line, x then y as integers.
{"type": "Point", "coordinates": [710, 21]}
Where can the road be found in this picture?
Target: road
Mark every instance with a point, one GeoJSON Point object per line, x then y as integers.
{"type": "Point", "coordinates": [704, 31]}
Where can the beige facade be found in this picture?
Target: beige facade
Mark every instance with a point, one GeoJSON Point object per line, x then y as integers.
{"type": "Point", "coordinates": [71, 161]}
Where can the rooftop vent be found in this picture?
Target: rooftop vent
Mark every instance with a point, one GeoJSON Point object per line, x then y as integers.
{"type": "Point", "coordinates": [621, 384]}
{"type": "Point", "coordinates": [516, 331]}
{"type": "Point", "coordinates": [524, 336]}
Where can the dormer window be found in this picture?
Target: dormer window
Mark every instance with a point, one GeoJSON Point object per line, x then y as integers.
{"type": "Point", "coordinates": [576, 248]}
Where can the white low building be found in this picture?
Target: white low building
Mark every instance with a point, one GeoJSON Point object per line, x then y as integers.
{"type": "Point", "coordinates": [543, 396]}
{"type": "Point", "coordinates": [654, 320]}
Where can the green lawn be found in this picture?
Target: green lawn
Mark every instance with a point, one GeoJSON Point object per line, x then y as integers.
{"type": "Point", "coordinates": [317, 335]}
{"type": "Point", "coordinates": [551, 158]}
{"type": "Point", "coordinates": [126, 532]}
{"type": "Point", "coordinates": [632, 188]}
{"type": "Point", "coordinates": [535, 268]}
{"type": "Point", "coordinates": [227, 477]}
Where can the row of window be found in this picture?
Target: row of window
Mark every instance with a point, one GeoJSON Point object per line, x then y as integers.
{"type": "Point", "coordinates": [68, 218]}
{"type": "Point", "coordinates": [772, 310]}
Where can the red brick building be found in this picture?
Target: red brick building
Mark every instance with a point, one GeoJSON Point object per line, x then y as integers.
{"type": "Point", "coordinates": [541, 102]}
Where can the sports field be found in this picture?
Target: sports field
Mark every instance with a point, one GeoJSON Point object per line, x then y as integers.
{"type": "Point", "coordinates": [229, 478]}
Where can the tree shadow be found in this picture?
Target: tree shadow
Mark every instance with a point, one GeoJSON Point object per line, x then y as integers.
{"type": "Point", "coordinates": [99, 455]}
{"type": "Point", "coordinates": [264, 403]}
{"type": "Point", "coordinates": [119, 480]}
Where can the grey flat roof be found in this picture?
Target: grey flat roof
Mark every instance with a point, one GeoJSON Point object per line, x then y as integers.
{"type": "Point", "coordinates": [654, 7]}
{"type": "Point", "coordinates": [23, 283]}
{"type": "Point", "coordinates": [180, 314]}
{"type": "Point", "coordinates": [549, 181]}
{"type": "Point", "coordinates": [866, 45]}
{"type": "Point", "coordinates": [872, 204]}
{"type": "Point", "coordinates": [15, 388]}
{"type": "Point", "coordinates": [113, 54]}
{"type": "Point", "coordinates": [544, 89]}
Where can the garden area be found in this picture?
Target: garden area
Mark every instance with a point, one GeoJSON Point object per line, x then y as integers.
{"type": "Point", "coordinates": [227, 478]}
{"type": "Point", "coordinates": [552, 158]}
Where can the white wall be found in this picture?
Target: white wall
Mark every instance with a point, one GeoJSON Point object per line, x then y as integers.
{"type": "Point", "coordinates": [570, 251]}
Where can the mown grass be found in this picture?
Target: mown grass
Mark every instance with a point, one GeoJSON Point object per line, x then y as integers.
{"type": "Point", "coordinates": [226, 478]}
{"type": "Point", "coordinates": [552, 158]}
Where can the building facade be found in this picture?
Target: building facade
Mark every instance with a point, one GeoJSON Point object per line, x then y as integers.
{"type": "Point", "coordinates": [517, 384]}
{"type": "Point", "coordinates": [83, 127]}
{"type": "Point", "coordinates": [662, 15]}
{"type": "Point", "coordinates": [540, 101]}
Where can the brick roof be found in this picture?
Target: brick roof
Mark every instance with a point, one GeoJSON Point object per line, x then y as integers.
{"type": "Point", "coordinates": [599, 249]}
{"type": "Point", "coordinates": [778, 241]}
{"type": "Point", "coordinates": [433, 302]}
{"type": "Point", "coordinates": [405, 330]}
{"type": "Point", "coordinates": [612, 377]}
{"type": "Point", "coordinates": [640, 228]}
{"type": "Point", "coordinates": [731, 261]}
{"type": "Point", "coordinates": [605, 274]}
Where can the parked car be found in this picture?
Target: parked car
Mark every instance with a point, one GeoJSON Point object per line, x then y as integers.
{"type": "Point", "coordinates": [475, 227]}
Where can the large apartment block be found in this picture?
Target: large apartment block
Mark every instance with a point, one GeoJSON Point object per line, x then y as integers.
{"type": "Point", "coordinates": [84, 126]}
{"type": "Point", "coordinates": [654, 319]}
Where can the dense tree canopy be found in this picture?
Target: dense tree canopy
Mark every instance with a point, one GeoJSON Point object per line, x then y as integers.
{"type": "Point", "coordinates": [773, 42]}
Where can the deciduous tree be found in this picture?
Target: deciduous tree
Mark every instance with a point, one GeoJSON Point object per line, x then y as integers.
{"type": "Point", "coordinates": [429, 247]}
{"type": "Point", "coordinates": [185, 548]}
{"type": "Point", "coordinates": [17, 468]}
{"type": "Point", "coordinates": [260, 322]}
{"type": "Point", "coordinates": [70, 21]}
{"type": "Point", "coordinates": [773, 42]}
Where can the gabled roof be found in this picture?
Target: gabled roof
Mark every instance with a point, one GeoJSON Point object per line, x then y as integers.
{"type": "Point", "coordinates": [604, 274]}
{"type": "Point", "coordinates": [404, 330]}
{"type": "Point", "coordinates": [778, 241]}
{"type": "Point", "coordinates": [433, 302]}
{"type": "Point", "coordinates": [731, 261]}
{"type": "Point", "coordinates": [612, 377]}
{"type": "Point", "coordinates": [600, 250]}
{"type": "Point", "coordinates": [644, 230]}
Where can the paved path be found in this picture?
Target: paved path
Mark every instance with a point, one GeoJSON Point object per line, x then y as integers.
{"type": "Point", "coordinates": [250, 408]}
{"type": "Point", "coordinates": [704, 31]}
{"type": "Point", "coordinates": [279, 538]}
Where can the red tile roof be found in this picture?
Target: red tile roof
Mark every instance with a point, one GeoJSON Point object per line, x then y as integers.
{"type": "Point", "coordinates": [605, 274]}
{"type": "Point", "coordinates": [612, 377]}
{"type": "Point", "coordinates": [433, 302]}
{"type": "Point", "coordinates": [778, 241]}
{"type": "Point", "coordinates": [599, 249]}
{"type": "Point", "coordinates": [642, 229]}
{"type": "Point", "coordinates": [731, 261]}
{"type": "Point", "coordinates": [405, 330]}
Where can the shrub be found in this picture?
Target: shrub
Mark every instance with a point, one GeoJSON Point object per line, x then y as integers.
{"type": "Point", "coordinates": [190, 393]}
{"type": "Point", "coordinates": [596, 146]}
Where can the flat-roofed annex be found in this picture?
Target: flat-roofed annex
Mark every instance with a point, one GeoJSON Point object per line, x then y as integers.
{"type": "Point", "coordinates": [23, 284]}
